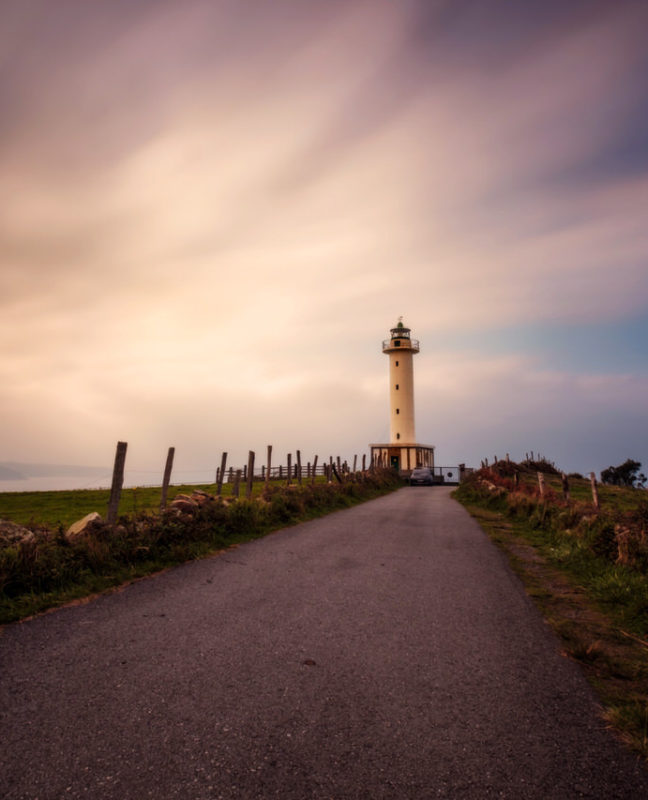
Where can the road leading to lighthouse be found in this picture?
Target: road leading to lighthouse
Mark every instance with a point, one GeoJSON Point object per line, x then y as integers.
{"type": "Point", "coordinates": [386, 651]}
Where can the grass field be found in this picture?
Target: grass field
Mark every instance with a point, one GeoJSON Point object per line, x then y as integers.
{"type": "Point", "coordinates": [62, 508]}
{"type": "Point", "coordinates": [612, 498]}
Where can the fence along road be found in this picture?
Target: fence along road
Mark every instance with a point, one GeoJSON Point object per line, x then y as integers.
{"type": "Point", "coordinates": [385, 651]}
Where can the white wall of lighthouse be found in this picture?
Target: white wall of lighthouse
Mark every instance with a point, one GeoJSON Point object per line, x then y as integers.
{"type": "Point", "coordinates": [401, 348]}
{"type": "Point", "coordinates": [401, 397]}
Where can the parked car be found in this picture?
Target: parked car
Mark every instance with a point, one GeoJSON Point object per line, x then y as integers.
{"type": "Point", "coordinates": [421, 476]}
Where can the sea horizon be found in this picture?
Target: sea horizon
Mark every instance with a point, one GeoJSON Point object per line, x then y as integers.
{"type": "Point", "coordinates": [132, 480]}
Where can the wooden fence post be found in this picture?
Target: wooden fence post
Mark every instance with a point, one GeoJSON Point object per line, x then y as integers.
{"type": "Point", "coordinates": [289, 468]}
{"type": "Point", "coordinates": [117, 482]}
{"type": "Point", "coordinates": [269, 463]}
{"type": "Point", "coordinates": [364, 462]}
{"type": "Point", "coordinates": [541, 484]}
{"type": "Point", "coordinates": [595, 497]}
{"type": "Point", "coordinates": [231, 475]}
{"type": "Point", "coordinates": [250, 474]}
{"type": "Point", "coordinates": [314, 470]}
{"type": "Point", "coordinates": [237, 483]}
{"type": "Point", "coordinates": [221, 475]}
{"type": "Point", "coordinates": [299, 467]}
{"type": "Point", "coordinates": [565, 486]}
{"type": "Point", "coordinates": [167, 477]}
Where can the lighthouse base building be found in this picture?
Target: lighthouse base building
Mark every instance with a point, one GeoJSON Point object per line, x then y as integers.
{"type": "Point", "coordinates": [402, 452]}
{"type": "Point", "coordinates": [404, 457]}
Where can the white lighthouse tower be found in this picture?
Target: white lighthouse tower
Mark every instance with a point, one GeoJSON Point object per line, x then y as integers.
{"type": "Point", "coordinates": [401, 349]}
{"type": "Point", "coordinates": [402, 452]}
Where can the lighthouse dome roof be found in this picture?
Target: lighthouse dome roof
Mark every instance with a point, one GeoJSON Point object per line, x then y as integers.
{"type": "Point", "coordinates": [400, 330]}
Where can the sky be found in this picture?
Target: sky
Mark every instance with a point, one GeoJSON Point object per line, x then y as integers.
{"type": "Point", "coordinates": [213, 213]}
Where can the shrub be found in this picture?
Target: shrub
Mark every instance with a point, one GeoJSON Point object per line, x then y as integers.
{"type": "Point", "coordinates": [540, 465]}
{"type": "Point", "coordinates": [280, 508]}
{"type": "Point", "coordinates": [626, 474]}
{"type": "Point", "coordinates": [243, 516]}
{"type": "Point", "coordinates": [568, 518]}
{"type": "Point", "coordinates": [520, 505]}
{"type": "Point", "coordinates": [505, 468]}
{"type": "Point", "coordinates": [601, 539]}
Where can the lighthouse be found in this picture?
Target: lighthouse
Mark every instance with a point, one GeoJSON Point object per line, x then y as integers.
{"type": "Point", "coordinates": [402, 452]}
{"type": "Point", "coordinates": [401, 349]}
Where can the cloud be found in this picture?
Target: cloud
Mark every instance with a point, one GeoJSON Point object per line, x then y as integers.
{"type": "Point", "coordinates": [475, 407]}
{"type": "Point", "coordinates": [212, 217]}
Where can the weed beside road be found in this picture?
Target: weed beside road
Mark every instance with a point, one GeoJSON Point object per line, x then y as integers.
{"type": "Point", "coordinates": [587, 571]}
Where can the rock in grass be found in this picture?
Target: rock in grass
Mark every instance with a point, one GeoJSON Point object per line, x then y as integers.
{"type": "Point", "coordinates": [182, 504]}
{"type": "Point", "coordinates": [11, 533]}
{"type": "Point", "coordinates": [80, 527]}
{"type": "Point", "coordinates": [201, 498]}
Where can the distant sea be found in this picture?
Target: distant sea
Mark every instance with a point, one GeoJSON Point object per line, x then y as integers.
{"type": "Point", "coordinates": [47, 483]}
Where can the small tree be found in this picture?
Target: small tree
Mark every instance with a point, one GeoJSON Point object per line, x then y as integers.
{"type": "Point", "coordinates": [626, 474]}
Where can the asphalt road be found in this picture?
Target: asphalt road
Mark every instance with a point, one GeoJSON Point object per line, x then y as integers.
{"type": "Point", "coordinates": [386, 651]}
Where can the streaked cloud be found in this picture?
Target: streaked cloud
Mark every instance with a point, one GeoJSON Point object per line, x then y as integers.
{"type": "Point", "coordinates": [214, 211]}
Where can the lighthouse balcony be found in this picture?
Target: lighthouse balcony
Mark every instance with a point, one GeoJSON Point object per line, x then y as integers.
{"type": "Point", "coordinates": [402, 343]}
